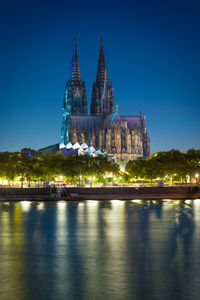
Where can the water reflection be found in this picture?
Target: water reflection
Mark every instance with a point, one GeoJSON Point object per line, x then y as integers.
{"type": "Point", "coordinates": [41, 206]}
{"type": "Point", "coordinates": [25, 205]}
{"type": "Point", "coordinates": [100, 249]}
{"type": "Point", "coordinates": [11, 251]}
{"type": "Point", "coordinates": [180, 245]}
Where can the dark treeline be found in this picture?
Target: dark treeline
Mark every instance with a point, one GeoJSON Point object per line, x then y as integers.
{"type": "Point", "coordinates": [170, 166]}
{"type": "Point", "coordinates": [31, 165]}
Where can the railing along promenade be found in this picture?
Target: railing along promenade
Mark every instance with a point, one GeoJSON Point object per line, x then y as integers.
{"type": "Point", "coordinates": [101, 193]}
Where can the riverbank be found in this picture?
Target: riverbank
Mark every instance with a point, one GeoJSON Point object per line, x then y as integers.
{"type": "Point", "coordinates": [100, 193]}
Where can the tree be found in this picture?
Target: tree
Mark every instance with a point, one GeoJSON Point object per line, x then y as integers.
{"type": "Point", "coordinates": [8, 164]}
{"type": "Point", "coordinates": [173, 164]}
{"type": "Point", "coordinates": [136, 168]}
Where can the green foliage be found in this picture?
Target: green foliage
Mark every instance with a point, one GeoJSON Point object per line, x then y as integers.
{"type": "Point", "coordinates": [8, 164]}
{"type": "Point", "coordinates": [86, 166]}
{"type": "Point", "coordinates": [171, 164]}
{"type": "Point", "coordinates": [31, 165]}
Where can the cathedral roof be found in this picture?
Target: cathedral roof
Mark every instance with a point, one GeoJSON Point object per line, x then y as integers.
{"type": "Point", "coordinates": [93, 122]}
{"type": "Point", "coordinates": [132, 121]}
{"type": "Point", "coordinates": [82, 121]}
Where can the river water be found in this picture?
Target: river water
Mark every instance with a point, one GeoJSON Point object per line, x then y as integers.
{"type": "Point", "coordinates": [100, 250]}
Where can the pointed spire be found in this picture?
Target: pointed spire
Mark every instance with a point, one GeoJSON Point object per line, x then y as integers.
{"type": "Point", "coordinates": [75, 75]}
{"type": "Point", "coordinates": [102, 92]}
{"type": "Point", "coordinates": [102, 74]}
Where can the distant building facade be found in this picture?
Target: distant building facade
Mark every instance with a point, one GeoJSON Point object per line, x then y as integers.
{"type": "Point", "coordinates": [124, 137]}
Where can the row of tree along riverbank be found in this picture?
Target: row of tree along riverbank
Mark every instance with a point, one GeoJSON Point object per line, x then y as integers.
{"type": "Point", "coordinates": [31, 166]}
{"type": "Point", "coordinates": [114, 193]}
{"type": "Point", "coordinates": [169, 166]}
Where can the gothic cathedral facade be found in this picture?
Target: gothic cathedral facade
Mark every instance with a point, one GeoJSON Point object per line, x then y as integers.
{"type": "Point", "coordinates": [124, 137]}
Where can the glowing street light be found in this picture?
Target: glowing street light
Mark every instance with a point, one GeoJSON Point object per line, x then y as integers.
{"type": "Point", "coordinates": [197, 177]}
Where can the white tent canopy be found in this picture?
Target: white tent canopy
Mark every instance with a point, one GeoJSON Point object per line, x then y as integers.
{"type": "Point", "coordinates": [76, 146]}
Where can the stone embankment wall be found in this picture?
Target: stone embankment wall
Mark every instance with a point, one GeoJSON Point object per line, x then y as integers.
{"type": "Point", "coordinates": [100, 193]}
{"type": "Point", "coordinates": [17, 194]}
{"type": "Point", "coordinates": [171, 192]}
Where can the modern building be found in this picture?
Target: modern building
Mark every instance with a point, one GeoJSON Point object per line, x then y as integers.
{"type": "Point", "coordinates": [124, 137]}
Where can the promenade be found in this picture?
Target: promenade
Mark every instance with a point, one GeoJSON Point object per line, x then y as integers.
{"type": "Point", "coordinates": [100, 193]}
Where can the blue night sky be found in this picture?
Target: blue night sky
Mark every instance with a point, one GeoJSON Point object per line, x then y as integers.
{"type": "Point", "coordinates": [152, 51]}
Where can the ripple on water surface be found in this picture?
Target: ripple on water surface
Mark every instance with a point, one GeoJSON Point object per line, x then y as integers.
{"type": "Point", "coordinates": [100, 250]}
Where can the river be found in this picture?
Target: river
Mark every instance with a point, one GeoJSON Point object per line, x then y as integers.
{"type": "Point", "coordinates": [100, 250]}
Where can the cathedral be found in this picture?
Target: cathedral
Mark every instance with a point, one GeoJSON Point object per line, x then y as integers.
{"type": "Point", "coordinates": [124, 137]}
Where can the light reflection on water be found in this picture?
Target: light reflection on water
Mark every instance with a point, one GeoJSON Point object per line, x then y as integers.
{"type": "Point", "coordinates": [100, 250]}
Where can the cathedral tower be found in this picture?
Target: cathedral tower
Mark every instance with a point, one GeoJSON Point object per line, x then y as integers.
{"type": "Point", "coordinates": [102, 92]}
{"type": "Point", "coordinates": [75, 100]}
{"type": "Point", "coordinates": [124, 137]}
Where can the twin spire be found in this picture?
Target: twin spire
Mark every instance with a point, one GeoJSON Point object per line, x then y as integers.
{"type": "Point", "coordinates": [75, 99]}
{"type": "Point", "coordinates": [102, 95]}
{"type": "Point", "coordinates": [75, 74]}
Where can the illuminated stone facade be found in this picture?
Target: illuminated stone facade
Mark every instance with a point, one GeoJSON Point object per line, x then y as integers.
{"type": "Point", "coordinates": [125, 137]}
